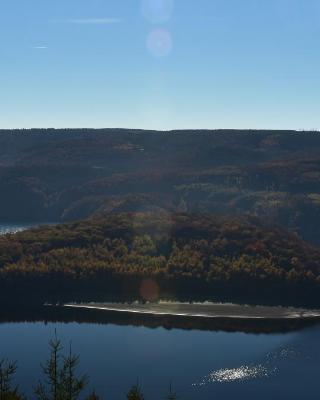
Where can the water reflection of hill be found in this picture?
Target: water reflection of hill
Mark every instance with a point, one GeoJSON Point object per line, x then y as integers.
{"type": "Point", "coordinates": [69, 315]}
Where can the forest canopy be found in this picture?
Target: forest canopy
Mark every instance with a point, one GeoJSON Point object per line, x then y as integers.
{"type": "Point", "coordinates": [191, 254]}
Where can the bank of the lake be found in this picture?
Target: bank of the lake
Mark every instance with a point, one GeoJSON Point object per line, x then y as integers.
{"type": "Point", "coordinates": [204, 310]}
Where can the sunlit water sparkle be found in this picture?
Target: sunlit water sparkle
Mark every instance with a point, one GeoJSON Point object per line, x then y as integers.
{"type": "Point", "coordinates": [267, 367]}
{"type": "Point", "coordinates": [243, 373]}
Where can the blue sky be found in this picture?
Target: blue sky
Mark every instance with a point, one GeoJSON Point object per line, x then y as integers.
{"type": "Point", "coordinates": [160, 64]}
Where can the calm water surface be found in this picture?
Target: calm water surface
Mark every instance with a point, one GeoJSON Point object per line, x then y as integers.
{"type": "Point", "coordinates": [201, 364]}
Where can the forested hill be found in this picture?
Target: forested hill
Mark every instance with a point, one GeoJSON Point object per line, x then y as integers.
{"type": "Point", "coordinates": [65, 175]}
{"type": "Point", "coordinates": [156, 255]}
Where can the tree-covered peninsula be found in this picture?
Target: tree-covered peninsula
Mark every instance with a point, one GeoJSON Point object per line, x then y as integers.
{"type": "Point", "coordinates": [155, 255]}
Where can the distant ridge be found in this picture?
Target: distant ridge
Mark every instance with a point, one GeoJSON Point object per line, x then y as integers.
{"type": "Point", "coordinates": [67, 175]}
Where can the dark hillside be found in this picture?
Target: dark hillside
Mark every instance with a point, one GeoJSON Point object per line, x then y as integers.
{"type": "Point", "coordinates": [64, 175]}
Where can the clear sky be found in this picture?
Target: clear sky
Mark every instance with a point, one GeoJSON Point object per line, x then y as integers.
{"type": "Point", "coordinates": [161, 64]}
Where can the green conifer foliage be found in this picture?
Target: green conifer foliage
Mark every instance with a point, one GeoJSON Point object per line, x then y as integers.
{"type": "Point", "coordinates": [61, 380]}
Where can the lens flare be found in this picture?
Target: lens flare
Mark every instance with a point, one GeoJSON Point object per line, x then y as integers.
{"type": "Point", "coordinates": [159, 43]}
{"type": "Point", "coordinates": [149, 290]}
{"type": "Point", "coordinates": [157, 11]}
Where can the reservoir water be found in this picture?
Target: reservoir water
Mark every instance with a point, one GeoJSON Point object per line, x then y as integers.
{"type": "Point", "coordinates": [201, 364]}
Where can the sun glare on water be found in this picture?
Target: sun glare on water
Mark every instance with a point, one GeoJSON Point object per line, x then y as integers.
{"type": "Point", "coordinates": [242, 373]}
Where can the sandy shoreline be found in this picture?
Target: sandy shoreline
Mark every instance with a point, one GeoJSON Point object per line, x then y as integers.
{"type": "Point", "coordinates": [204, 310]}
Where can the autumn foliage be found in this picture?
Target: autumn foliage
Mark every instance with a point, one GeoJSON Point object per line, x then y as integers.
{"type": "Point", "coordinates": [180, 252]}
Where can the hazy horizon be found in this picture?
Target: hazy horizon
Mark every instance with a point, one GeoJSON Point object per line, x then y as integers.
{"type": "Point", "coordinates": [160, 130]}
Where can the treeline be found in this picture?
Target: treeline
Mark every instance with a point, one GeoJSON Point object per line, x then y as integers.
{"type": "Point", "coordinates": [172, 253]}
{"type": "Point", "coordinates": [60, 381]}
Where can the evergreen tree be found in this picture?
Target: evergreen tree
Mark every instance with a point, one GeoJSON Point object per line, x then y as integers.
{"type": "Point", "coordinates": [7, 390]}
{"type": "Point", "coordinates": [171, 395]}
{"type": "Point", "coordinates": [135, 393]}
{"type": "Point", "coordinates": [72, 384]}
{"type": "Point", "coordinates": [50, 389]}
{"type": "Point", "coordinates": [61, 381]}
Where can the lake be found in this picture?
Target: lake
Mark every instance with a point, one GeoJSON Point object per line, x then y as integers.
{"type": "Point", "coordinates": [202, 364]}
